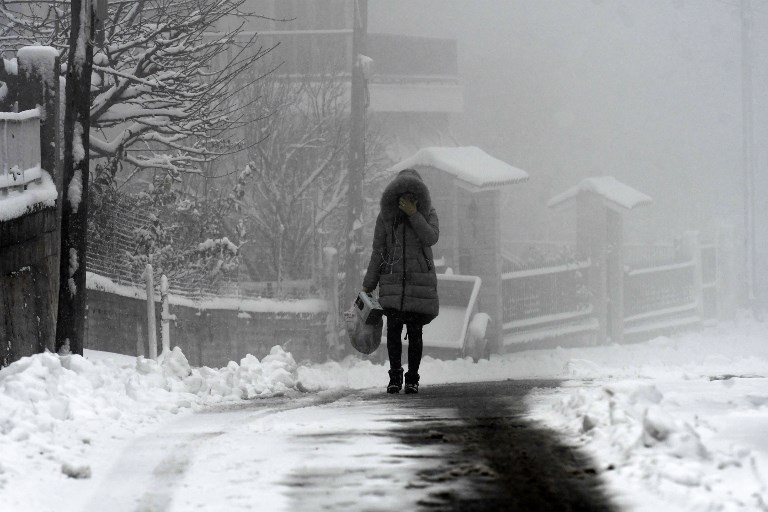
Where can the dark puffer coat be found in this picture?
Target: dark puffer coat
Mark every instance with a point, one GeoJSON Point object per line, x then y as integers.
{"type": "Point", "coordinates": [401, 263]}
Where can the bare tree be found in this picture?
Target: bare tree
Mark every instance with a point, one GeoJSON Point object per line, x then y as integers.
{"type": "Point", "coordinates": [296, 197]}
{"type": "Point", "coordinates": [163, 76]}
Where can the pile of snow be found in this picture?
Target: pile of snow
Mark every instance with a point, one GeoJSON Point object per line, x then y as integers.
{"type": "Point", "coordinates": [56, 406]}
{"type": "Point", "coordinates": [658, 452]}
{"type": "Point", "coordinates": [19, 202]}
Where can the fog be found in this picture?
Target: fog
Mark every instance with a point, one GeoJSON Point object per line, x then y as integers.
{"type": "Point", "coordinates": [649, 92]}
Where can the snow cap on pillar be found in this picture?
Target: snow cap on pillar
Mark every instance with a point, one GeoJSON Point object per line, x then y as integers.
{"type": "Point", "coordinates": [470, 165]}
{"type": "Point", "coordinates": [615, 195]}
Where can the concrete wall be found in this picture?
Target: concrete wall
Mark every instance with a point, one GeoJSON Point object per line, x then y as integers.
{"type": "Point", "coordinates": [29, 269]}
{"type": "Point", "coordinates": [207, 337]}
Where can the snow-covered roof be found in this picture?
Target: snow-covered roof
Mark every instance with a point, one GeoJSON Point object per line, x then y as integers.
{"type": "Point", "coordinates": [616, 195]}
{"type": "Point", "coordinates": [469, 164]}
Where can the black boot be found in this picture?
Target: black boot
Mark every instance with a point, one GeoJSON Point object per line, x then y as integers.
{"type": "Point", "coordinates": [395, 380]}
{"type": "Point", "coordinates": [411, 383]}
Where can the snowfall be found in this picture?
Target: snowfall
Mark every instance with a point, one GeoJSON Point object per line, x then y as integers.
{"type": "Point", "coordinates": [675, 423]}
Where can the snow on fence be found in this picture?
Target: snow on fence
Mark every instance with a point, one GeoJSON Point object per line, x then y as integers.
{"type": "Point", "coordinates": [19, 150]}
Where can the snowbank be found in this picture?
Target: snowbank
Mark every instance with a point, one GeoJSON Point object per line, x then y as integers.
{"type": "Point", "coordinates": [56, 406]}
{"type": "Point", "coordinates": [654, 450]}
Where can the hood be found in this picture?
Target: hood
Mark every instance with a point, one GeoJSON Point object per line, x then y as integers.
{"type": "Point", "coordinates": [407, 180]}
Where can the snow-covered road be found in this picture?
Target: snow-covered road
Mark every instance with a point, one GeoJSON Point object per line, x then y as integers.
{"type": "Point", "coordinates": [672, 424]}
{"type": "Point", "coordinates": [334, 451]}
{"type": "Point", "coordinates": [458, 447]}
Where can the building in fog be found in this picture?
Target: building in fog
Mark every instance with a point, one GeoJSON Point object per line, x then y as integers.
{"type": "Point", "coordinates": [414, 89]}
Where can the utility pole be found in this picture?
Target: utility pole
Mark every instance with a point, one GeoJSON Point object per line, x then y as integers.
{"type": "Point", "coordinates": [70, 323]}
{"type": "Point", "coordinates": [747, 105]}
{"type": "Point", "coordinates": [356, 153]}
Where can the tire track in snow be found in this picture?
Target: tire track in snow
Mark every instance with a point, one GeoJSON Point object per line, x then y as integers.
{"type": "Point", "coordinates": [150, 471]}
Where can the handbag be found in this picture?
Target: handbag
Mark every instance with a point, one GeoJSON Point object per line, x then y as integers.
{"type": "Point", "coordinates": [363, 329]}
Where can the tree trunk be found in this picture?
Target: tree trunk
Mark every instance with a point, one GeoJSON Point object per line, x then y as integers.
{"type": "Point", "coordinates": [70, 326]}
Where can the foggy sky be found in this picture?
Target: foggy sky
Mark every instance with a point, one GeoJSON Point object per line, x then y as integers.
{"type": "Point", "coordinates": [649, 92]}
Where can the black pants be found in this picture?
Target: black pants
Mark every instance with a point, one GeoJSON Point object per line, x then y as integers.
{"type": "Point", "coordinates": [413, 324]}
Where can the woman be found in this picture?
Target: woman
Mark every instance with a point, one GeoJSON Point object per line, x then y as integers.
{"type": "Point", "coordinates": [402, 266]}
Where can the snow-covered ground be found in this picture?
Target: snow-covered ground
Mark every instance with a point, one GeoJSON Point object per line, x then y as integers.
{"type": "Point", "coordinates": [673, 424]}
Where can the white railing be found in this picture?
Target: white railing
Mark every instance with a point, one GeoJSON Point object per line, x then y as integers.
{"type": "Point", "coordinates": [19, 150]}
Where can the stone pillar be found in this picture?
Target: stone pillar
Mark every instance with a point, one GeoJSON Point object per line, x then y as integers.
{"type": "Point", "coordinates": [483, 243]}
{"type": "Point", "coordinates": [592, 244]}
{"type": "Point", "coordinates": [614, 271]}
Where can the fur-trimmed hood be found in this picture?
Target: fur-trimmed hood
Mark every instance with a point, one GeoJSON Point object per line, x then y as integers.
{"type": "Point", "coordinates": [407, 180]}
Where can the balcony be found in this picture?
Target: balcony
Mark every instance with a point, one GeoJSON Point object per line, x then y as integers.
{"type": "Point", "coordinates": [410, 74]}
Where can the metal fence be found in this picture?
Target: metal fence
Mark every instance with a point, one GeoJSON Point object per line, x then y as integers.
{"type": "Point", "coordinates": [112, 241]}
{"type": "Point", "coordinates": [644, 256]}
{"type": "Point", "coordinates": [664, 287]}
{"type": "Point", "coordinates": [660, 289]}
{"type": "Point", "coordinates": [546, 302]}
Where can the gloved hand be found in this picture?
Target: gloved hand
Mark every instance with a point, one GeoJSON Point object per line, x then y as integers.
{"type": "Point", "coordinates": [408, 206]}
{"type": "Point", "coordinates": [366, 290]}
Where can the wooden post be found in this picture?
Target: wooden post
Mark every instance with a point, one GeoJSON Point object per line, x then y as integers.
{"type": "Point", "coordinates": [331, 295]}
{"type": "Point", "coordinates": [165, 317]}
{"type": "Point", "coordinates": [151, 323]}
{"type": "Point", "coordinates": [139, 339]}
{"type": "Point", "coordinates": [356, 154]}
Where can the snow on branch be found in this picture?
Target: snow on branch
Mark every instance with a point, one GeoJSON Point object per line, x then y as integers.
{"type": "Point", "coordinates": [163, 79]}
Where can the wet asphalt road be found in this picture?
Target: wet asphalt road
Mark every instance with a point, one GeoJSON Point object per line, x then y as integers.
{"type": "Point", "coordinates": [500, 461]}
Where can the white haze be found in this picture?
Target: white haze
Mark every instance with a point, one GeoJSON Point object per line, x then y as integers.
{"type": "Point", "coordinates": [649, 92]}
